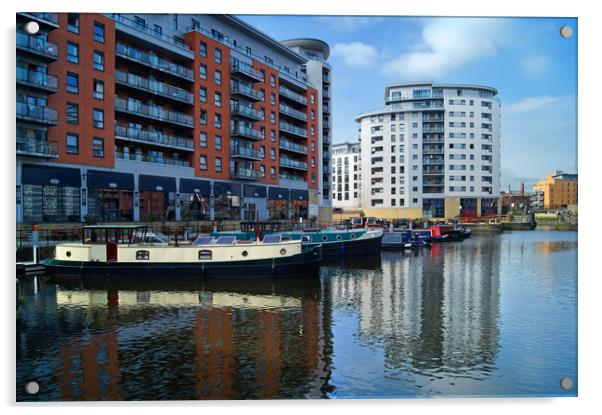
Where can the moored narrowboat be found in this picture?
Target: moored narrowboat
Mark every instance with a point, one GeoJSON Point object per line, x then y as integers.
{"type": "Point", "coordinates": [121, 251]}
{"type": "Point", "coordinates": [404, 240]}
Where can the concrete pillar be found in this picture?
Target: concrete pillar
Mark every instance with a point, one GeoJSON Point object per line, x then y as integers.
{"type": "Point", "coordinates": [452, 207]}
{"type": "Point", "coordinates": [478, 207]}
{"type": "Point", "coordinates": [19, 189]}
{"type": "Point", "coordinates": [84, 195]}
{"type": "Point", "coordinates": [136, 197]}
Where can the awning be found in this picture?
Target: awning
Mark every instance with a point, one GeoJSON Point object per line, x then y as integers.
{"type": "Point", "coordinates": [297, 194]}
{"type": "Point", "coordinates": [195, 186]}
{"type": "Point", "coordinates": [253, 190]}
{"type": "Point", "coordinates": [98, 179]}
{"type": "Point", "coordinates": [156, 183]}
{"type": "Point", "coordinates": [276, 193]}
{"type": "Point", "coordinates": [226, 189]}
{"type": "Point", "coordinates": [46, 175]}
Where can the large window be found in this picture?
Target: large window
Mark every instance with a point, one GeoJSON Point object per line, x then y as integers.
{"type": "Point", "coordinates": [99, 61]}
{"type": "Point", "coordinates": [72, 52]}
{"type": "Point", "coordinates": [72, 113]}
{"type": "Point", "coordinates": [278, 208]}
{"type": "Point", "coordinates": [157, 205]}
{"type": "Point", "coordinates": [299, 208]}
{"type": "Point", "coordinates": [99, 118]}
{"type": "Point", "coordinates": [99, 32]}
{"type": "Point", "coordinates": [73, 22]}
{"type": "Point", "coordinates": [110, 205]}
{"type": "Point", "coordinates": [51, 203]}
{"type": "Point", "coordinates": [72, 83]}
{"type": "Point", "coordinates": [72, 143]}
{"type": "Point", "coordinates": [227, 207]}
{"type": "Point", "coordinates": [433, 208]}
{"type": "Point", "coordinates": [194, 206]}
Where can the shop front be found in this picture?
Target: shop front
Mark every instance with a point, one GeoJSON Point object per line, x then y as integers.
{"type": "Point", "coordinates": [110, 196]}
{"type": "Point", "coordinates": [254, 202]}
{"type": "Point", "coordinates": [227, 200]}
{"type": "Point", "coordinates": [278, 198]}
{"type": "Point", "coordinates": [299, 204]}
{"type": "Point", "coordinates": [157, 197]}
{"type": "Point", "coordinates": [195, 197]}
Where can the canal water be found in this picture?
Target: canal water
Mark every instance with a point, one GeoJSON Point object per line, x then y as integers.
{"type": "Point", "coordinates": [491, 316]}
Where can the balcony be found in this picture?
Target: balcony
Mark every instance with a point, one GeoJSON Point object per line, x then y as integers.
{"type": "Point", "coordinates": [293, 164]}
{"type": "Point", "coordinates": [151, 159]}
{"type": "Point", "coordinates": [36, 113]}
{"type": "Point", "coordinates": [433, 189]}
{"type": "Point", "coordinates": [433, 171]}
{"type": "Point", "coordinates": [245, 174]}
{"type": "Point", "coordinates": [245, 70]}
{"type": "Point", "coordinates": [243, 90]}
{"type": "Point", "coordinates": [432, 118]}
{"type": "Point", "coordinates": [432, 129]}
{"type": "Point", "coordinates": [244, 111]}
{"type": "Point", "coordinates": [287, 93]}
{"type": "Point", "coordinates": [325, 93]}
{"type": "Point", "coordinates": [35, 147]}
{"type": "Point", "coordinates": [433, 140]}
{"type": "Point", "coordinates": [153, 137]}
{"type": "Point", "coordinates": [154, 87]}
{"type": "Point", "coordinates": [153, 113]}
{"type": "Point", "coordinates": [295, 80]}
{"type": "Point", "coordinates": [292, 177]}
{"type": "Point", "coordinates": [246, 153]}
{"type": "Point", "coordinates": [246, 132]}
{"type": "Point", "coordinates": [433, 161]}
{"type": "Point", "coordinates": [291, 129]}
{"type": "Point", "coordinates": [153, 61]}
{"type": "Point", "coordinates": [433, 151]}
{"type": "Point", "coordinates": [286, 110]}
{"type": "Point", "coordinates": [48, 19]}
{"type": "Point", "coordinates": [37, 45]}
{"type": "Point", "coordinates": [290, 146]}
{"type": "Point", "coordinates": [38, 80]}
{"type": "Point", "coordinates": [325, 109]}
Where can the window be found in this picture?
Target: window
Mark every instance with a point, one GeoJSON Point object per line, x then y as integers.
{"type": "Point", "coordinates": [313, 114]}
{"type": "Point", "coordinates": [98, 90]}
{"type": "Point", "coordinates": [203, 139]}
{"type": "Point", "coordinates": [273, 117]}
{"type": "Point", "coordinates": [218, 56]}
{"type": "Point", "coordinates": [218, 99]}
{"type": "Point", "coordinates": [272, 98]}
{"type": "Point", "coordinates": [262, 170]}
{"type": "Point", "coordinates": [99, 32]}
{"type": "Point", "coordinates": [99, 61]}
{"type": "Point", "coordinates": [218, 121]}
{"type": "Point", "coordinates": [203, 71]}
{"type": "Point", "coordinates": [203, 49]}
{"type": "Point", "coordinates": [73, 22]}
{"type": "Point", "coordinates": [72, 83]}
{"type": "Point", "coordinates": [203, 94]}
{"type": "Point", "coordinates": [313, 130]}
{"type": "Point", "coordinates": [72, 113]}
{"type": "Point", "coordinates": [203, 117]}
{"type": "Point", "coordinates": [98, 147]}
{"type": "Point", "coordinates": [273, 172]}
{"type": "Point", "coordinates": [218, 78]}
{"type": "Point", "coordinates": [142, 255]}
{"type": "Point", "coordinates": [272, 154]}
{"type": "Point", "coordinates": [72, 52]}
{"type": "Point", "coordinates": [218, 142]}
{"type": "Point", "coordinates": [72, 144]}
{"type": "Point", "coordinates": [98, 118]}
{"type": "Point", "coordinates": [272, 81]}
{"type": "Point", "coordinates": [312, 98]}
{"type": "Point", "coordinates": [249, 51]}
{"type": "Point", "coordinates": [272, 135]}
{"type": "Point", "coordinates": [203, 162]}
{"type": "Point", "coordinates": [218, 164]}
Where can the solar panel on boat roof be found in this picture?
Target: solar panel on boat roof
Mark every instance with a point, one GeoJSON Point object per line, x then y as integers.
{"type": "Point", "coordinates": [225, 240]}
{"type": "Point", "coordinates": [203, 240]}
{"type": "Point", "coordinates": [272, 239]}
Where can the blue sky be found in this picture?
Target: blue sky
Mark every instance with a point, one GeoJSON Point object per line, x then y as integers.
{"type": "Point", "coordinates": [532, 66]}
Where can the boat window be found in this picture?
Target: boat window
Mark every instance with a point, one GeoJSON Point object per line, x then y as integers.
{"type": "Point", "coordinates": [68, 253]}
{"type": "Point", "coordinates": [272, 239]}
{"type": "Point", "coordinates": [305, 238]}
{"type": "Point", "coordinates": [245, 253]}
{"type": "Point", "coordinates": [205, 254]}
{"type": "Point", "coordinates": [324, 237]}
{"type": "Point", "coordinates": [283, 251]}
{"type": "Point", "coordinates": [142, 255]}
{"type": "Point", "coordinates": [352, 236]}
{"type": "Point", "coordinates": [339, 237]}
{"type": "Point", "coordinates": [226, 240]}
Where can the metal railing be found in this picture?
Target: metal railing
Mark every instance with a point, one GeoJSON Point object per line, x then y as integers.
{"type": "Point", "coordinates": [148, 30]}
{"type": "Point", "coordinates": [36, 113]}
{"type": "Point", "coordinates": [245, 111]}
{"type": "Point", "coordinates": [289, 128]}
{"type": "Point", "coordinates": [285, 92]}
{"type": "Point", "coordinates": [49, 17]}
{"type": "Point", "coordinates": [246, 90]}
{"type": "Point", "coordinates": [37, 79]}
{"type": "Point", "coordinates": [36, 147]}
{"type": "Point", "coordinates": [157, 113]}
{"type": "Point", "coordinates": [245, 68]}
{"type": "Point", "coordinates": [151, 159]}
{"type": "Point", "coordinates": [289, 145]}
{"type": "Point", "coordinates": [433, 151]}
{"type": "Point", "coordinates": [154, 61]}
{"type": "Point", "coordinates": [247, 174]}
{"type": "Point", "coordinates": [292, 177]}
{"type": "Point", "coordinates": [433, 161]}
{"type": "Point", "coordinates": [246, 132]}
{"type": "Point", "coordinates": [37, 44]}
{"type": "Point", "coordinates": [247, 152]}
{"type": "Point", "coordinates": [153, 137]}
{"type": "Point", "coordinates": [155, 87]}
{"type": "Point", "coordinates": [284, 109]}
{"type": "Point", "coordinates": [294, 164]}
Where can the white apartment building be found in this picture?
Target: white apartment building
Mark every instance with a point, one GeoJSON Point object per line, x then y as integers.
{"type": "Point", "coordinates": [346, 175]}
{"type": "Point", "coordinates": [433, 151]}
{"type": "Point", "coordinates": [319, 75]}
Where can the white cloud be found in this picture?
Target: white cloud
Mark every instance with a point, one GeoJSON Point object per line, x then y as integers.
{"type": "Point", "coordinates": [534, 65]}
{"type": "Point", "coordinates": [348, 23]}
{"type": "Point", "coordinates": [530, 104]}
{"type": "Point", "coordinates": [355, 54]}
{"type": "Point", "coordinates": [447, 44]}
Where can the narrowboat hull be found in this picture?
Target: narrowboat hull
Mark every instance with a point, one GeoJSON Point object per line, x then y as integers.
{"type": "Point", "coordinates": [354, 247]}
{"type": "Point", "coordinates": [302, 265]}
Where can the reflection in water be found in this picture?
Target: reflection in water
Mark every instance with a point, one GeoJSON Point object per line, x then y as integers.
{"type": "Point", "coordinates": [464, 319]}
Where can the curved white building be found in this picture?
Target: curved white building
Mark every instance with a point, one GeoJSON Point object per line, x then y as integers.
{"type": "Point", "coordinates": [433, 151]}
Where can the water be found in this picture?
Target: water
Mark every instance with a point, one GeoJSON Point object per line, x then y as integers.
{"type": "Point", "coordinates": [491, 316]}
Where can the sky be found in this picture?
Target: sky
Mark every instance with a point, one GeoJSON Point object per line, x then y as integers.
{"type": "Point", "coordinates": [525, 59]}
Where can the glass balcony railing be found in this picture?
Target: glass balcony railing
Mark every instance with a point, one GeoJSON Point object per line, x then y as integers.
{"type": "Point", "coordinates": [153, 137]}
{"type": "Point", "coordinates": [156, 113]}
{"type": "Point", "coordinates": [36, 113]}
{"type": "Point", "coordinates": [46, 17]}
{"type": "Point", "coordinates": [30, 146]}
{"type": "Point", "coordinates": [433, 161]}
{"type": "Point", "coordinates": [246, 152]}
{"type": "Point", "coordinates": [433, 140]}
{"type": "Point", "coordinates": [293, 164]}
{"type": "Point", "coordinates": [245, 174]}
{"type": "Point", "coordinates": [288, 145]}
{"type": "Point", "coordinates": [241, 68]}
{"type": "Point", "coordinates": [153, 86]}
{"type": "Point", "coordinates": [432, 118]}
{"type": "Point", "coordinates": [245, 132]}
{"type": "Point", "coordinates": [151, 159]}
{"type": "Point", "coordinates": [289, 128]}
{"type": "Point", "coordinates": [245, 111]}
{"type": "Point", "coordinates": [37, 45]}
{"type": "Point", "coordinates": [285, 92]}
{"type": "Point", "coordinates": [154, 61]}
{"type": "Point", "coordinates": [432, 129]}
{"type": "Point", "coordinates": [433, 151]}
{"type": "Point", "coordinates": [292, 177]}
{"type": "Point", "coordinates": [245, 90]}
{"type": "Point", "coordinates": [284, 109]}
{"type": "Point", "coordinates": [37, 79]}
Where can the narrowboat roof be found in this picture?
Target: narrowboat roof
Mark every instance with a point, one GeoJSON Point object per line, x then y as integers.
{"type": "Point", "coordinates": [113, 226]}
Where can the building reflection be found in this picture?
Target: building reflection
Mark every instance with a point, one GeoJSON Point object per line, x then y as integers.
{"type": "Point", "coordinates": [436, 309]}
